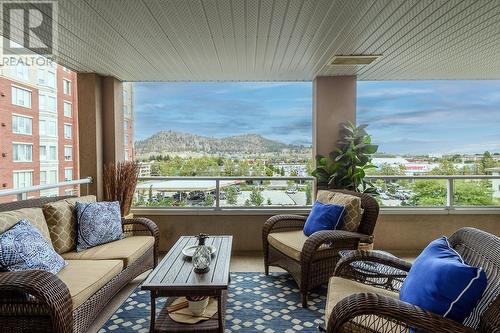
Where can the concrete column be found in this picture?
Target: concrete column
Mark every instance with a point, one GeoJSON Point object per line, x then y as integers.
{"type": "Point", "coordinates": [100, 120]}
{"type": "Point", "coordinates": [334, 102]}
{"type": "Point", "coordinates": [113, 136]}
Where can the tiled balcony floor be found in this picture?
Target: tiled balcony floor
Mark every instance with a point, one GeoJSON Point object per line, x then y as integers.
{"type": "Point", "coordinates": [240, 262]}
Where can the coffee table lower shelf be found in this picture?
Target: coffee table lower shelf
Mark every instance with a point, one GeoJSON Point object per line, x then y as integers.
{"type": "Point", "coordinates": [165, 324]}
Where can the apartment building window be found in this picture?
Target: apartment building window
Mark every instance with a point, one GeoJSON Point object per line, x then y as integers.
{"type": "Point", "coordinates": [47, 103]}
{"type": "Point", "coordinates": [52, 177]}
{"type": "Point", "coordinates": [47, 77]}
{"type": "Point", "coordinates": [67, 131]}
{"type": "Point", "coordinates": [43, 177]}
{"type": "Point", "coordinates": [22, 179]}
{"type": "Point", "coordinates": [125, 95]}
{"type": "Point", "coordinates": [22, 125]}
{"type": "Point", "coordinates": [48, 153]}
{"type": "Point", "coordinates": [126, 155]}
{"type": "Point", "coordinates": [125, 124]}
{"type": "Point", "coordinates": [21, 97]}
{"type": "Point", "coordinates": [22, 152]}
{"type": "Point", "coordinates": [21, 72]}
{"type": "Point", "coordinates": [125, 110]}
{"type": "Point", "coordinates": [68, 174]}
{"type": "Point", "coordinates": [67, 87]}
{"type": "Point", "coordinates": [67, 109]}
{"type": "Point", "coordinates": [125, 141]}
{"type": "Point", "coordinates": [68, 153]}
{"type": "Point", "coordinates": [48, 128]}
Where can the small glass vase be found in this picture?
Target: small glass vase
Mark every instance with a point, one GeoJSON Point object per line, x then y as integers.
{"type": "Point", "coordinates": [202, 256]}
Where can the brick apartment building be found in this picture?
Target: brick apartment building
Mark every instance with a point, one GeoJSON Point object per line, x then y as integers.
{"type": "Point", "coordinates": [38, 128]}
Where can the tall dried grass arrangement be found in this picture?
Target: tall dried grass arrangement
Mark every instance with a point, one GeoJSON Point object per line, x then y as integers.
{"type": "Point", "coordinates": [120, 180]}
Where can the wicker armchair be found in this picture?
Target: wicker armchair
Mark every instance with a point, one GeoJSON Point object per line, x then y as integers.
{"type": "Point", "coordinates": [315, 262]}
{"type": "Point", "coordinates": [39, 301]}
{"type": "Point", "coordinates": [375, 306]}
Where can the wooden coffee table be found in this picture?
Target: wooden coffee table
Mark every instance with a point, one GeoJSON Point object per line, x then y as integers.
{"type": "Point", "coordinates": [174, 277]}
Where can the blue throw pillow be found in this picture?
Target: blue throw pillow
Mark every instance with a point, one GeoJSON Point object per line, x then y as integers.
{"type": "Point", "coordinates": [441, 282]}
{"type": "Point", "coordinates": [98, 223]}
{"type": "Point", "coordinates": [324, 217]}
{"type": "Point", "coordinates": [23, 248]}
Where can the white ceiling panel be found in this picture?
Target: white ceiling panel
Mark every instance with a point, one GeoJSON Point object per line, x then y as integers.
{"type": "Point", "coordinates": [274, 40]}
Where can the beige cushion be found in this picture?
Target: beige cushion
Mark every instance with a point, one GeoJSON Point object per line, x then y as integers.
{"type": "Point", "coordinates": [61, 221]}
{"type": "Point", "coordinates": [353, 211]}
{"type": "Point", "coordinates": [291, 243]}
{"type": "Point", "coordinates": [85, 277]}
{"type": "Point", "coordinates": [34, 215]}
{"type": "Point", "coordinates": [128, 250]}
{"type": "Point", "coordinates": [339, 288]}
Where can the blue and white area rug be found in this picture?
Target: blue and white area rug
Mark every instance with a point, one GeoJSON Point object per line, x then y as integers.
{"type": "Point", "coordinates": [256, 303]}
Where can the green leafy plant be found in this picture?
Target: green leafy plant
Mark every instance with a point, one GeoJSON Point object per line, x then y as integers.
{"type": "Point", "coordinates": [346, 166]}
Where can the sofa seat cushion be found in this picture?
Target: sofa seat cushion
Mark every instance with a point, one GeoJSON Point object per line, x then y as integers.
{"type": "Point", "coordinates": [85, 277]}
{"type": "Point", "coordinates": [61, 221]}
{"type": "Point", "coordinates": [339, 288]}
{"type": "Point", "coordinates": [34, 215]}
{"type": "Point", "coordinates": [291, 243]}
{"type": "Point", "coordinates": [127, 249]}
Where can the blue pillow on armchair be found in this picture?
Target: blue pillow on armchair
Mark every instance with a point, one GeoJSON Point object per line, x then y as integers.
{"type": "Point", "coordinates": [23, 248]}
{"type": "Point", "coordinates": [98, 223]}
{"type": "Point", "coordinates": [441, 282]}
{"type": "Point", "coordinates": [324, 217]}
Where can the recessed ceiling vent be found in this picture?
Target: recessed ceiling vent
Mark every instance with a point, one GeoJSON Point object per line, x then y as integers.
{"type": "Point", "coordinates": [349, 60]}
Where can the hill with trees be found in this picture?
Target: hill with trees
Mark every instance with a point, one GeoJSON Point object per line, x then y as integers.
{"type": "Point", "coordinates": [171, 142]}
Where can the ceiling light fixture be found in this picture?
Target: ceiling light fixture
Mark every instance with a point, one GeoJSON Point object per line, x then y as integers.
{"type": "Point", "coordinates": [350, 60]}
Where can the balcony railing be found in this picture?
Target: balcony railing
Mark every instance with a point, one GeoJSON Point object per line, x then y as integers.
{"type": "Point", "coordinates": [396, 193]}
{"type": "Point", "coordinates": [222, 193]}
{"type": "Point", "coordinates": [22, 193]}
{"type": "Point", "coordinates": [424, 193]}
{"type": "Point", "coordinates": [448, 192]}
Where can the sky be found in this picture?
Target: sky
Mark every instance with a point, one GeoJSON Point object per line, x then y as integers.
{"type": "Point", "coordinates": [404, 117]}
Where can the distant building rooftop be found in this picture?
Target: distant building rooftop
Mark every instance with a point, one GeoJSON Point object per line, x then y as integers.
{"type": "Point", "coordinates": [184, 185]}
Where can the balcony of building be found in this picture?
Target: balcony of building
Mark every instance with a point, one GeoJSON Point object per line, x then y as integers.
{"type": "Point", "coordinates": [332, 44]}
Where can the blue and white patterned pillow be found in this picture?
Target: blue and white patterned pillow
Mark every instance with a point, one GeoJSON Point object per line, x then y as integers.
{"type": "Point", "coordinates": [23, 248]}
{"type": "Point", "coordinates": [98, 223]}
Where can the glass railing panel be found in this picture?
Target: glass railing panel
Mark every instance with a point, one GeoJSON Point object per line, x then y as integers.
{"type": "Point", "coordinates": [411, 192]}
{"type": "Point", "coordinates": [476, 192]}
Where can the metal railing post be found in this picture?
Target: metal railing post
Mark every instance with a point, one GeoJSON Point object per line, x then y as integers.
{"type": "Point", "coordinates": [217, 194]}
{"type": "Point", "coordinates": [449, 193]}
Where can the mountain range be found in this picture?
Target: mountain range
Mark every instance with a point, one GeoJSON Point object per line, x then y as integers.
{"type": "Point", "coordinates": [168, 142]}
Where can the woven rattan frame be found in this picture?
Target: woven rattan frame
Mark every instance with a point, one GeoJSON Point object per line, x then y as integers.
{"type": "Point", "coordinates": [313, 270]}
{"type": "Point", "coordinates": [38, 301]}
{"type": "Point", "coordinates": [370, 312]}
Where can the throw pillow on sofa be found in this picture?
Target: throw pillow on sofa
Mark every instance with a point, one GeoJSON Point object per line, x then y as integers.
{"type": "Point", "coordinates": [34, 215]}
{"type": "Point", "coordinates": [441, 282]}
{"type": "Point", "coordinates": [353, 213]}
{"type": "Point", "coordinates": [23, 247]}
{"type": "Point", "coordinates": [98, 223]}
{"type": "Point", "coordinates": [61, 221]}
{"type": "Point", "coordinates": [324, 217]}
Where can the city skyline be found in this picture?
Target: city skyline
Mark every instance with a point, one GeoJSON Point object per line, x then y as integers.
{"type": "Point", "coordinates": [404, 117]}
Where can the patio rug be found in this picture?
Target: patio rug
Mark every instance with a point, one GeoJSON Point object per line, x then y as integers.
{"type": "Point", "coordinates": [256, 303]}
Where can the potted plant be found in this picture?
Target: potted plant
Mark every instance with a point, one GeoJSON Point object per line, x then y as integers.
{"type": "Point", "coordinates": [345, 167]}
{"type": "Point", "coordinates": [120, 180]}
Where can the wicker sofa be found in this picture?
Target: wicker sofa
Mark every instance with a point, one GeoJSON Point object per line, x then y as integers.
{"type": "Point", "coordinates": [361, 301]}
{"type": "Point", "coordinates": [311, 260]}
{"type": "Point", "coordinates": [39, 301]}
